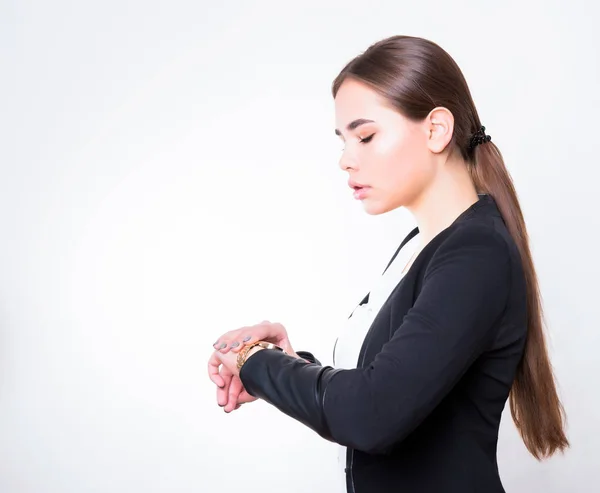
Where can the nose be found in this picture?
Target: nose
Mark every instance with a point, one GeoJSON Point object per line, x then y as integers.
{"type": "Point", "coordinates": [346, 163]}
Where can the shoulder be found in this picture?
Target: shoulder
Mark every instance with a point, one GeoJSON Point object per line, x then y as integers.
{"type": "Point", "coordinates": [482, 244]}
{"type": "Point", "coordinates": [491, 234]}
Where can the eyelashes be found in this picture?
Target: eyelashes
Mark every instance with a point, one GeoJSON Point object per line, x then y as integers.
{"type": "Point", "coordinates": [366, 140]}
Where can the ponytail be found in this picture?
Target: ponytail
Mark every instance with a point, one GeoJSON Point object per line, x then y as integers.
{"type": "Point", "coordinates": [534, 403]}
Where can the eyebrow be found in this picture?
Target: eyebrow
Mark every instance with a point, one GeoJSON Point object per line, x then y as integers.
{"type": "Point", "coordinates": [354, 124]}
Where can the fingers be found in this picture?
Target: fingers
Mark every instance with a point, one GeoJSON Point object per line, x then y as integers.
{"type": "Point", "coordinates": [242, 398]}
{"type": "Point", "coordinates": [243, 339]}
{"type": "Point", "coordinates": [229, 340]}
{"type": "Point", "coordinates": [230, 390]}
{"type": "Point", "coordinates": [235, 389]}
{"type": "Point", "coordinates": [235, 340]}
{"type": "Point", "coordinates": [223, 392]}
{"type": "Point", "coordinates": [213, 370]}
{"type": "Point", "coordinates": [247, 339]}
{"type": "Point", "coordinates": [245, 397]}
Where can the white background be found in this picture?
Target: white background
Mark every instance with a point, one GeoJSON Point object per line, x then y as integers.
{"type": "Point", "coordinates": [169, 171]}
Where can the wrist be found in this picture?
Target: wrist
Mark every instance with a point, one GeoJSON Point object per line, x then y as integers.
{"type": "Point", "coordinates": [253, 351]}
{"type": "Point", "coordinates": [256, 349]}
{"type": "Point", "coordinates": [288, 349]}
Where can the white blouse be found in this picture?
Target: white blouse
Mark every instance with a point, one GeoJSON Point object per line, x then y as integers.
{"type": "Point", "coordinates": [352, 335]}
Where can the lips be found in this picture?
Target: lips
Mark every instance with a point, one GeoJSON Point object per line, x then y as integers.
{"type": "Point", "coordinates": [360, 190]}
{"type": "Point", "coordinates": [355, 185]}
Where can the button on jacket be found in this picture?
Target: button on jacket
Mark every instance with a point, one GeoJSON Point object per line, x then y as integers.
{"type": "Point", "coordinates": [421, 411]}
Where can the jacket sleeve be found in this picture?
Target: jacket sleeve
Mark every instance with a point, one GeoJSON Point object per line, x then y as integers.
{"type": "Point", "coordinates": [308, 357]}
{"type": "Point", "coordinates": [464, 293]}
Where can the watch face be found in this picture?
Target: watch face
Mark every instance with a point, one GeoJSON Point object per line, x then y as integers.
{"type": "Point", "coordinates": [270, 345]}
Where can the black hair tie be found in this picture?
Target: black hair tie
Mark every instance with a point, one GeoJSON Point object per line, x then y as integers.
{"type": "Point", "coordinates": [479, 137]}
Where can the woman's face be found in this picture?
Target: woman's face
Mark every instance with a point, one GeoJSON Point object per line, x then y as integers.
{"type": "Point", "coordinates": [393, 162]}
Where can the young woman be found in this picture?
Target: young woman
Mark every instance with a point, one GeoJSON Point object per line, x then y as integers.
{"type": "Point", "coordinates": [451, 330]}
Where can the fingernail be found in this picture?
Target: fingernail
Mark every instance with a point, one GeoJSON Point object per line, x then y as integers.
{"type": "Point", "coordinates": [247, 338]}
{"type": "Point", "coordinates": [235, 344]}
{"type": "Point", "coordinates": [223, 346]}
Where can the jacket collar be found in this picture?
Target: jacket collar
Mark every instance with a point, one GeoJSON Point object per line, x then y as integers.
{"type": "Point", "coordinates": [486, 205]}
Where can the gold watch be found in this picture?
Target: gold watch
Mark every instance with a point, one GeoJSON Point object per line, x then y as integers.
{"type": "Point", "coordinates": [241, 359]}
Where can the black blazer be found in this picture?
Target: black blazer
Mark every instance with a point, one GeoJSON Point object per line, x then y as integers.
{"type": "Point", "coordinates": [421, 411]}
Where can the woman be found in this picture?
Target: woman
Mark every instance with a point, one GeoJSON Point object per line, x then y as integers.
{"type": "Point", "coordinates": [452, 329]}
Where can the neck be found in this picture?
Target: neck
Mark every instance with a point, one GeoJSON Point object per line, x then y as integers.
{"type": "Point", "coordinates": [449, 195]}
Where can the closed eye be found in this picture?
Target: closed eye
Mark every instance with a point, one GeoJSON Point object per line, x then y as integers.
{"type": "Point", "coordinates": [366, 140]}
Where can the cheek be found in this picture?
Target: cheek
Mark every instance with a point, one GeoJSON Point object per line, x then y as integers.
{"type": "Point", "coordinates": [406, 168]}
{"type": "Point", "coordinates": [399, 173]}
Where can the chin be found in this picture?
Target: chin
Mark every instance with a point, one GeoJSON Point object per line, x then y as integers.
{"type": "Point", "coordinates": [376, 208]}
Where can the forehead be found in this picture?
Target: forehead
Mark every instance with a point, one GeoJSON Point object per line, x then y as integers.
{"type": "Point", "coordinates": [355, 94]}
{"type": "Point", "coordinates": [354, 100]}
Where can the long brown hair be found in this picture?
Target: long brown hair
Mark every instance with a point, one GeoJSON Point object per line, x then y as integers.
{"type": "Point", "coordinates": [415, 75]}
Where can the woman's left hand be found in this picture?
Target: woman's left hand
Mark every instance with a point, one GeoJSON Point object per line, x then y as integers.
{"type": "Point", "coordinates": [233, 394]}
{"type": "Point", "coordinates": [228, 360]}
{"type": "Point", "coordinates": [223, 377]}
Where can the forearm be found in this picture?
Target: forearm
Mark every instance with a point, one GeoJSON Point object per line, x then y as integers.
{"type": "Point", "coordinates": [291, 384]}
{"type": "Point", "coordinates": [298, 389]}
{"type": "Point", "coordinates": [367, 409]}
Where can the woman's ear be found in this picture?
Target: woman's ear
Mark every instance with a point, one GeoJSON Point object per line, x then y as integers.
{"type": "Point", "coordinates": [440, 124]}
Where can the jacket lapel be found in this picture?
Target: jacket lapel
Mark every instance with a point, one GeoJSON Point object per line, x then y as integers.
{"type": "Point", "coordinates": [485, 204]}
